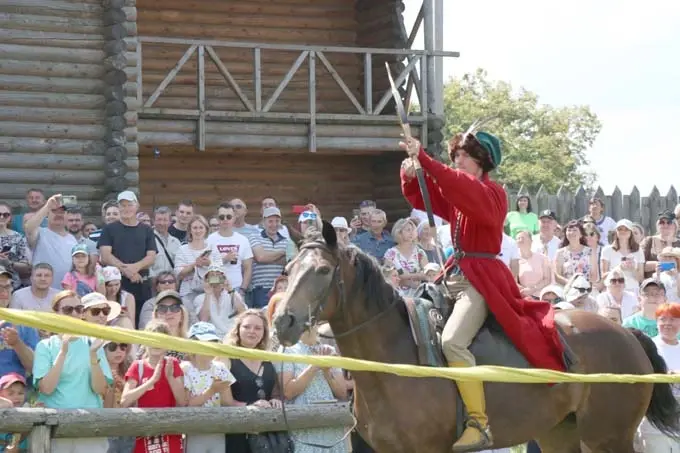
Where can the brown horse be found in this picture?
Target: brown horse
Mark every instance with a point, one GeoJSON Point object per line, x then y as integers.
{"type": "Point", "coordinates": [406, 415]}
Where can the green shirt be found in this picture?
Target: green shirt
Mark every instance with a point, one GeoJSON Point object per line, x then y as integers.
{"type": "Point", "coordinates": [515, 222]}
{"type": "Point", "coordinates": [646, 325]}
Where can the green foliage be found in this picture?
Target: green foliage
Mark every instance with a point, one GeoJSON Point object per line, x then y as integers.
{"type": "Point", "coordinates": [542, 144]}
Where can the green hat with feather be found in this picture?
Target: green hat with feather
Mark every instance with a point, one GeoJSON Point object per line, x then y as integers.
{"type": "Point", "coordinates": [489, 142]}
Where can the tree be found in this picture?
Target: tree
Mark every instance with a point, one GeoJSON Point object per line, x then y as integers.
{"type": "Point", "coordinates": [542, 144]}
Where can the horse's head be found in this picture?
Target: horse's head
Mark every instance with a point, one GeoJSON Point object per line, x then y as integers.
{"type": "Point", "coordinates": [314, 286]}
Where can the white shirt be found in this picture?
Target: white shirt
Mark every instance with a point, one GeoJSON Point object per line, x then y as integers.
{"type": "Point", "coordinates": [509, 250]}
{"type": "Point", "coordinates": [162, 264]}
{"type": "Point", "coordinates": [613, 257]}
{"type": "Point", "coordinates": [628, 303]}
{"type": "Point", "coordinates": [669, 352]}
{"type": "Point", "coordinates": [444, 236]}
{"type": "Point", "coordinates": [422, 215]}
{"type": "Point", "coordinates": [605, 225]}
{"type": "Point", "coordinates": [226, 244]}
{"type": "Point", "coordinates": [551, 247]}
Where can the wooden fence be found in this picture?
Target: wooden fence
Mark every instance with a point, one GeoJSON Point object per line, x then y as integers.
{"type": "Point", "coordinates": [570, 205]}
{"type": "Point", "coordinates": [41, 424]}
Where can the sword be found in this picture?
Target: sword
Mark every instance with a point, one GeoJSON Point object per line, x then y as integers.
{"type": "Point", "coordinates": [406, 128]}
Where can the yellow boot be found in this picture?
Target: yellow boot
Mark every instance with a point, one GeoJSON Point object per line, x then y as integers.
{"type": "Point", "coordinates": [477, 435]}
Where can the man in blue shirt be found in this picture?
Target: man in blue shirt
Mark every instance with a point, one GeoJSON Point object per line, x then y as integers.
{"type": "Point", "coordinates": [17, 343]}
{"type": "Point", "coordinates": [376, 241]}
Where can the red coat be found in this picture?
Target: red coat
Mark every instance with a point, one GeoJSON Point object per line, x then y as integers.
{"type": "Point", "coordinates": [483, 204]}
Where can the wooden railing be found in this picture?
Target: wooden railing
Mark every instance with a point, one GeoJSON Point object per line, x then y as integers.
{"type": "Point", "coordinates": [257, 107]}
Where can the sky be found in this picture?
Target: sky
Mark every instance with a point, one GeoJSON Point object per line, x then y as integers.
{"type": "Point", "coordinates": [620, 57]}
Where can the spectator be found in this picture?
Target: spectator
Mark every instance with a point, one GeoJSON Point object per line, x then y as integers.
{"type": "Point", "coordinates": [166, 244]}
{"type": "Point", "coordinates": [13, 248]}
{"type": "Point", "coordinates": [577, 292]}
{"type": "Point", "coordinates": [534, 272]}
{"type": "Point", "coordinates": [638, 233]}
{"type": "Point", "coordinates": [98, 310]}
{"type": "Point", "coordinates": [270, 202]}
{"type": "Point", "coordinates": [280, 285]}
{"type": "Point", "coordinates": [193, 260]}
{"type": "Point", "coordinates": [667, 273]}
{"type": "Point", "coordinates": [119, 356]}
{"type": "Point", "coordinates": [625, 253]}
{"type": "Point", "coordinates": [419, 216]}
{"type": "Point", "coordinates": [184, 214]}
{"type": "Point", "coordinates": [361, 222]}
{"type": "Point", "coordinates": [220, 303]}
{"type": "Point", "coordinates": [375, 241]}
{"type": "Point", "coordinates": [309, 384]}
{"type": "Point", "coordinates": [214, 224]}
{"type": "Point", "coordinates": [208, 383]}
{"type": "Point", "coordinates": [522, 218]}
{"type": "Point", "coordinates": [651, 246]}
{"type": "Point", "coordinates": [16, 342]}
{"type": "Point", "coordinates": [155, 381]}
{"type": "Point", "coordinates": [552, 293]}
{"type": "Point", "coordinates": [110, 214]}
{"type": "Point", "coordinates": [12, 394]}
{"type": "Point", "coordinates": [594, 241]}
{"type": "Point", "coordinates": [130, 246]}
{"type": "Point", "coordinates": [426, 241]}
{"type": "Point", "coordinates": [545, 242]}
{"type": "Point", "coordinates": [114, 291]}
{"type": "Point", "coordinates": [652, 294]}
{"type": "Point", "coordinates": [234, 249]}
{"type": "Point", "coordinates": [256, 380]}
{"type": "Point", "coordinates": [143, 217]}
{"type": "Point", "coordinates": [35, 199]}
{"type": "Point", "coordinates": [51, 244]}
{"type": "Point", "coordinates": [510, 254]}
{"type": "Point", "coordinates": [85, 276]}
{"type": "Point", "coordinates": [409, 259]}
{"type": "Point", "coordinates": [269, 251]}
{"type": "Point", "coordinates": [74, 225]}
{"type": "Point", "coordinates": [342, 230]}
{"type": "Point", "coordinates": [162, 282]}
{"type": "Point", "coordinates": [574, 256]}
{"type": "Point", "coordinates": [72, 372]}
{"type": "Point", "coordinates": [602, 222]}
{"type": "Point", "coordinates": [38, 296]}
{"type": "Point", "coordinates": [616, 302]}
{"type": "Point", "coordinates": [240, 212]}
{"type": "Point", "coordinates": [171, 311]}
{"type": "Point", "coordinates": [432, 270]}
{"type": "Point", "coordinates": [391, 275]}
{"type": "Point", "coordinates": [88, 229]}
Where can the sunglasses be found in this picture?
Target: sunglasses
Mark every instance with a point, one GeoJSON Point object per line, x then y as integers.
{"type": "Point", "coordinates": [5, 215]}
{"type": "Point", "coordinates": [113, 346]}
{"type": "Point", "coordinates": [238, 206]}
{"type": "Point", "coordinates": [225, 216]}
{"type": "Point", "coordinates": [308, 216]}
{"type": "Point", "coordinates": [167, 282]}
{"type": "Point", "coordinates": [174, 308]}
{"type": "Point", "coordinates": [96, 311]}
{"type": "Point", "coordinates": [69, 309]}
{"type": "Point", "coordinates": [665, 222]}
{"type": "Point", "coordinates": [620, 281]}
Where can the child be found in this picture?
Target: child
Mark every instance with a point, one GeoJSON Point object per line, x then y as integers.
{"type": "Point", "coordinates": [12, 394]}
{"type": "Point", "coordinates": [207, 382]}
{"type": "Point", "coordinates": [119, 357]}
{"type": "Point", "coordinates": [431, 271]}
{"type": "Point", "coordinates": [83, 277]}
{"type": "Point", "coordinates": [392, 276]}
{"type": "Point", "coordinates": [155, 381]}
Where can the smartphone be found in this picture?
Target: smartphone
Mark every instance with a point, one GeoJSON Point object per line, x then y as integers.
{"type": "Point", "coordinates": [6, 249]}
{"type": "Point", "coordinates": [206, 253]}
{"type": "Point", "coordinates": [356, 213]}
{"type": "Point", "coordinates": [69, 201]}
{"type": "Point", "coordinates": [215, 280]}
{"type": "Point", "coordinates": [666, 266]}
{"type": "Point", "coordinates": [299, 208]}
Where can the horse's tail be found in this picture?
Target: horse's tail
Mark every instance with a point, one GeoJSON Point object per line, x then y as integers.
{"type": "Point", "coordinates": [663, 411]}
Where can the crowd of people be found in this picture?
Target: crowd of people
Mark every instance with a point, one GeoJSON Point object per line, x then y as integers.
{"type": "Point", "coordinates": [217, 278]}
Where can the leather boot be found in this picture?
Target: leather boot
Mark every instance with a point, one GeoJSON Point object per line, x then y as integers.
{"type": "Point", "coordinates": [477, 435]}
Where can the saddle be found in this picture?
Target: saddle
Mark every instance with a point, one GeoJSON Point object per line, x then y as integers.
{"type": "Point", "coordinates": [428, 310]}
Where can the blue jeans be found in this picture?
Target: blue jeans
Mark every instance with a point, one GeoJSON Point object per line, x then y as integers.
{"type": "Point", "coordinates": [260, 297]}
{"type": "Point", "coordinates": [532, 447]}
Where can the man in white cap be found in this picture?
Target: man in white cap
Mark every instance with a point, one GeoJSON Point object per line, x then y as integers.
{"type": "Point", "coordinates": [269, 253]}
{"type": "Point", "coordinates": [131, 247]}
{"type": "Point", "coordinates": [342, 230]}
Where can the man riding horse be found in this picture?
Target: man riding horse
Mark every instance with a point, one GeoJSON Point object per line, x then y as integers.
{"type": "Point", "coordinates": [477, 281]}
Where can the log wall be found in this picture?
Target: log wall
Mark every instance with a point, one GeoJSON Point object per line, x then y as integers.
{"type": "Point", "coordinates": [305, 22]}
{"type": "Point", "coordinates": [335, 182]}
{"type": "Point", "coordinates": [53, 128]}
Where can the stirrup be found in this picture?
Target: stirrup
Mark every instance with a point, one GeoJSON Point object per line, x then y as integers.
{"type": "Point", "coordinates": [485, 441]}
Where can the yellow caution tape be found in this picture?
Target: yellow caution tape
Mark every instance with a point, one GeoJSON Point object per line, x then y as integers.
{"type": "Point", "coordinates": [52, 322]}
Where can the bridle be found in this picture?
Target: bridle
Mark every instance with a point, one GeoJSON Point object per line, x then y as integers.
{"type": "Point", "coordinates": [339, 282]}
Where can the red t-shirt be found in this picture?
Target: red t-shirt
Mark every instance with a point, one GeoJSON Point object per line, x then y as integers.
{"type": "Point", "coordinates": [159, 396]}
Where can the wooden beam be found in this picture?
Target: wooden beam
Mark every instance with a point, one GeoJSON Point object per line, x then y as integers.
{"type": "Point", "coordinates": [397, 82]}
{"type": "Point", "coordinates": [69, 146]}
{"type": "Point", "coordinates": [340, 82]}
{"type": "Point", "coordinates": [416, 26]}
{"type": "Point", "coordinates": [229, 78]}
{"type": "Point", "coordinates": [55, 54]}
{"type": "Point", "coordinates": [171, 75]}
{"type": "Point", "coordinates": [312, 102]}
{"type": "Point", "coordinates": [200, 135]}
{"type": "Point", "coordinates": [368, 82]}
{"type": "Point", "coordinates": [83, 192]}
{"type": "Point", "coordinates": [282, 86]}
{"type": "Point", "coordinates": [51, 115]}
{"type": "Point", "coordinates": [52, 100]}
{"type": "Point", "coordinates": [40, 439]}
{"type": "Point", "coordinates": [51, 84]}
{"type": "Point", "coordinates": [56, 162]}
{"type": "Point", "coordinates": [51, 130]}
{"type": "Point", "coordinates": [39, 68]}
{"type": "Point", "coordinates": [190, 420]}
{"type": "Point", "coordinates": [140, 73]}
{"type": "Point", "coordinates": [49, 176]}
{"type": "Point", "coordinates": [257, 78]}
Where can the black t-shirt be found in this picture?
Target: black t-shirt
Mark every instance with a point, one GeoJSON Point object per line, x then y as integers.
{"type": "Point", "coordinates": [128, 243]}
{"type": "Point", "coordinates": [179, 234]}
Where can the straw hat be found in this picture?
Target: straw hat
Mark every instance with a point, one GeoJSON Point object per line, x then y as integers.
{"type": "Point", "coordinates": [670, 252]}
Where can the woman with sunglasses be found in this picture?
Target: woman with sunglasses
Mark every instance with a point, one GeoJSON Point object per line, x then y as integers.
{"type": "Point", "coordinates": [13, 249]}
{"type": "Point", "coordinates": [119, 356]}
{"type": "Point", "coordinates": [164, 281]}
{"type": "Point", "coordinates": [170, 309]}
{"type": "Point", "coordinates": [615, 302]}
{"type": "Point", "coordinates": [72, 373]}
{"type": "Point", "coordinates": [625, 254]}
{"type": "Point", "coordinates": [256, 380]}
{"type": "Point", "coordinates": [666, 236]}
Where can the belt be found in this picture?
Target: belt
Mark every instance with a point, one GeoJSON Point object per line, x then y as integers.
{"type": "Point", "coordinates": [457, 256]}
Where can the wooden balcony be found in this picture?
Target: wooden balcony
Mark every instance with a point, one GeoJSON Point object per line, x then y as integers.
{"type": "Point", "coordinates": [219, 94]}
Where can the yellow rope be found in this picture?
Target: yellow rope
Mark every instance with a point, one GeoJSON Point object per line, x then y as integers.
{"type": "Point", "coordinates": [67, 325]}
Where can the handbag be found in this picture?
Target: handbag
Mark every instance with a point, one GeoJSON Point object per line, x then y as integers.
{"type": "Point", "coordinates": [271, 442]}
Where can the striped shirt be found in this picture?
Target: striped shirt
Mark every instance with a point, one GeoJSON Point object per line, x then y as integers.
{"type": "Point", "coordinates": [265, 274]}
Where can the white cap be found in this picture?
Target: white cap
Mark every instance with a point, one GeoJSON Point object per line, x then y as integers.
{"type": "Point", "coordinates": [111, 274]}
{"type": "Point", "coordinates": [564, 306]}
{"type": "Point", "coordinates": [270, 212]}
{"type": "Point", "coordinates": [555, 289]}
{"type": "Point", "coordinates": [127, 195]}
{"type": "Point", "coordinates": [625, 223]}
{"type": "Point", "coordinates": [432, 267]}
{"type": "Point", "coordinates": [340, 223]}
{"type": "Point", "coordinates": [576, 287]}
{"type": "Point", "coordinates": [95, 299]}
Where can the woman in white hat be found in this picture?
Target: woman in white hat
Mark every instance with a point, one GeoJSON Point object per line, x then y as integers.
{"type": "Point", "coordinates": [97, 309]}
{"type": "Point", "coordinates": [115, 293]}
{"type": "Point", "coordinates": [342, 230]}
{"type": "Point", "coordinates": [615, 302]}
{"type": "Point", "coordinates": [667, 272]}
{"type": "Point", "coordinates": [624, 252]}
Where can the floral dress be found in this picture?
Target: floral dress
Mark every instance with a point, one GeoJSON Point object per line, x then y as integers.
{"type": "Point", "coordinates": [408, 264]}
{"type": "Point", "coordinates": [575, 262]}
{"type": "Point", "coordinates": [316, 392]}
{"type": "Point", "coordinates": [18, 253]}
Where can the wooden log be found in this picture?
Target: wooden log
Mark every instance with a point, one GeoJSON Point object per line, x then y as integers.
{"type": "Point", "coordinates": [115, 123]}
{"type": "Point", "coordinates": [40, 439]}
{"type": "Point", "coordinates": [45, 23]}
{"type": "Point", "coordinates": [130, 13]}
{"type": "Point", "coordinates": [148, 422]}
{"type": "Point", "coordinates": [114, 93]}
{"type": "Point", "coordinates": [131, 118]}
{"type": "Point", "coordinates": [117, 61]}
{"type": "Point", "coordinates": [116, 184]}
{"type": "Point", "coordinates": [49, 176]}
{"type": "Point", "coordinates": [130, 134]}
{"type": "Point", "coordinates": [54, 8]}
{"type": "Point", "coordinates": [39, 68]}
{"type": "Point", "coordinates": [132, 149]}
{"type": "Point", "coordinates": [116, 154]}
{"type": "Point", "coordinates": [37, 53]}
{"type": "Point", "coordinates": [113, 4]}
{"type": "Point", "coordinates": [51, 84]}
{"type": "Point", "coordinates": [114, 16]}
{"type": "Point", "coordinates": [51, 115]}
{"type": "Point", "coordinates": [83, 192]}
{"type": "Point", "coordinates": [114, 138]}
{"type": "Point", "coordinates": [337, 9]}
{"type": "Point", "coordinates": [115, 170]}
{"type": "Point", "coordinates": [51, 39]}
{"type": "Point", "coordinates": [115, 47]}
{"type": "Point", "coordinates": [115, 77]}
{"type": "Point", "coordinates": [59, 162]}
{"type": "Point", "coordinates": [117, 31]}
{"type": "Point", "coordinates": [115, 108]}
{"type": "Point", "coordinates": [52, 100]}
{"type": "Point", "coordinates": [12, 144]}
{"type": "Point", "coordinates": [52, 130]}
{"type": "Point", "coordinates": [132, 180]}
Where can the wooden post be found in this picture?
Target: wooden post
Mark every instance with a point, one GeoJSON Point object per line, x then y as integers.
{"type": "Point", "coordinates": [428, 34]}
{"type": "Point", "coordinates": [312, 102]}
{"type": "Point", "coordinates": [39, 439]}
{"type": "Point", "coordinates": [368, 82]}
{"type": "Point", "coordinates": [200, 127]}
{"type": "Point", "coordinates": [257, 76]}
{"type": "Point", "coordinates": [438, 88]}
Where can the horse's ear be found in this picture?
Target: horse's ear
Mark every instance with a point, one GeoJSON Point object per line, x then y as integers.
{"type": "Point", "coordinates": [328, 233]}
